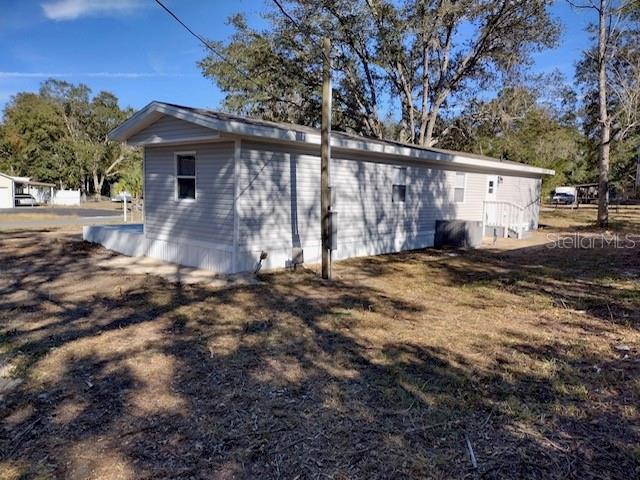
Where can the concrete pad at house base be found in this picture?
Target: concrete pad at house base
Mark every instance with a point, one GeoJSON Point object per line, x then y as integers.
{"type": "Point", "coordinates": [129, 239]}
{"type": "Point", "coordinates": [175, 273]}
{"type": "Point", "coordinates": [535, 239]}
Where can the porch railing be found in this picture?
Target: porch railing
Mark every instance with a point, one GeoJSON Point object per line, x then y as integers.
{"type": "Point", "coordinates": [506, 215]}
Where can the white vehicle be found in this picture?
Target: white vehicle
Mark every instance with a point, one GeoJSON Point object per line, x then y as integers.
{"type": "Point", "coordinates": [121, 197]}
{"type": "Point", "coordinates": [564, 198]}
{"type": "Point", "coordinates": [570, 190]}
{"type": "Point", "coordinates": [565, 195]}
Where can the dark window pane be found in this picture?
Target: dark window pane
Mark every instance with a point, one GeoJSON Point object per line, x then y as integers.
{"type": "Point", "coordinates": [458, 195]}
{"type": "Point", "coordinates": [186, 165]}
{"type": "Point", "coordinates": [399, 193]}
{"type": "Point", "coordinates": [186, 188]}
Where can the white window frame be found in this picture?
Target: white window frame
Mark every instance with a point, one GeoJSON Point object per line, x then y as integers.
{"type": "Point", "coordinates": [400, 180]}
{"type": "Point", "coordinates": [194, 177]}
{"type": "Point", "coordinates": [464, 187]}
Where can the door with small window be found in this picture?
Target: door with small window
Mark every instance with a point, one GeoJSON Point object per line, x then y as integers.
{"type": "Point", "coordinates": [491, 198]}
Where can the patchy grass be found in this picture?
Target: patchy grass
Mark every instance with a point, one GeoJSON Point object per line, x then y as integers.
{"type": "Point", "coordinates": [531, 353]}
{"type": "Point", "coordinates": [622, 218]}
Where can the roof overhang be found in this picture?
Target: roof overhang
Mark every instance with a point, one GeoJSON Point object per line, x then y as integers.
{"type": "Point", "coordinates": [36, 184]}
{"type": "Point", "coordinates": [27, 181]}
{"type": "Point", "coordinates": [435, 158]}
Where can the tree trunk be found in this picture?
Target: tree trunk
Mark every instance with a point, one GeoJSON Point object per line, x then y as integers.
{"type": "Point", "coordinates": [603, 178]}
{"type": "Point", "coordinates": [605, 127]}
{"type": "Point", "coordinates": [427, 140]}
{"type": "Point", "coordinates": [98, 180]}
{"type": "Point", "coordinates": [424, 114]}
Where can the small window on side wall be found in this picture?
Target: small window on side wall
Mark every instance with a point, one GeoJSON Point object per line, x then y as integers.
{"type": "Point", "coordinates": [458, 191]}
{"type": "Point", "coordinates": [399, 193]}
{"type": "Point", "coordinates": [186, 176]}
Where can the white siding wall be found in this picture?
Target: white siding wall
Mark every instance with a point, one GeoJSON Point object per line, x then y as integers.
{"type": "Point", "coordinates": [265, 201]}
{"type": "Point", "coordinates": [279, 208]}
{"type": "Point", "coordinates": [207, 220]}
{"type": "Point", "coordinates": [524, 192]}
{"type": "Point", "coordinates": [168, 129]}
{"type": "Point", "coordinates": [278, 203]}
{"type": "Point", "coordinates": [474, 195]}
{"type": "Point", "coordinates": [6, 192]}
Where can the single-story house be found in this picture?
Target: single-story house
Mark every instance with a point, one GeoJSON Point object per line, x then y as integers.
{"type": "Point", "coordinates": [23, 191]}
{"type": "Point", "coordinates": [221, 191]}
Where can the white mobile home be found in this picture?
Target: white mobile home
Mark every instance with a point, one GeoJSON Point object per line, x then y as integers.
{"type": "Point", "coordinates": [23, 191]}
{"type": "Point", "coordinates": [220, 191]}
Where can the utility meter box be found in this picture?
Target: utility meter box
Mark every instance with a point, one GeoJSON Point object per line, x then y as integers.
{"type": "Point", "coordinates": [333, 230]}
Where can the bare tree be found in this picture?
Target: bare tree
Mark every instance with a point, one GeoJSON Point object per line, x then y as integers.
{"type": "Point", "coordinates": [616, 63]}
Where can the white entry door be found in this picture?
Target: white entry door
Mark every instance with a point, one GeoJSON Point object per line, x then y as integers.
{"type": "Point", "coordinates": [491, 196]}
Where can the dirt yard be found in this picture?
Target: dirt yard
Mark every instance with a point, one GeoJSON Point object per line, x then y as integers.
{"type": "Point", "coordinates": [529, 355]}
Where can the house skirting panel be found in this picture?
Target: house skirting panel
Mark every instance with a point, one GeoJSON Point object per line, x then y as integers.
{"type": "Point", "coordinates": [281, 257]}
{"type": "Point", "coordinates": [130, 240]}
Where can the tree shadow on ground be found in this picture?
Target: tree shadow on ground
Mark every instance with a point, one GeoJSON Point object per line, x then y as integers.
{"type": "Point", "coordinates": [132, 377]}
{"type": "Point", "coordinates": [601, 281]}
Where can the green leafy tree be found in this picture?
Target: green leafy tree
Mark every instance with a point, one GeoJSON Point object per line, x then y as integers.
{"type": "Point", "coordinates": [88, 121]}
{"type": "Point", "coordinates": [33, 139]}
{"type": "Point", "coordinates": [534, 124]}
{"type": "Point", "coordinates": [130, 178]}
{"type": "Point", "coordinates": [60, 135]}
{"type": "Point", "coordinates": [415, 55]}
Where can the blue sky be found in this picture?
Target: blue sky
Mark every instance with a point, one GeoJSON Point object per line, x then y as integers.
{"type": "Point", "coordinates": [135, 50]}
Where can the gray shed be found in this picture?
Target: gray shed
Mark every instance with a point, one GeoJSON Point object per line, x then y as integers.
{"type": "Point", "coordinates": [220, 189]}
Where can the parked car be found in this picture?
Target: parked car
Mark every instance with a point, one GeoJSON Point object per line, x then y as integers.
{"type": "Point", "coordinates": [563, 198]}
{"type": "Point", "coordinates": [121, 197]}
{"type": "Point", "coordinates": [25, 200]}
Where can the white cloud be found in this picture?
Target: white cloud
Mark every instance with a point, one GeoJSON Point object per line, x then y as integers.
{"type": "Point", "coordinates": [90, 74]}
{"type": "Point", "coordinates": [72, 9]}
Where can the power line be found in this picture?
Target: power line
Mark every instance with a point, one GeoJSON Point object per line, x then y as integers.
{"type": "Point", "coordinates": [306, 34]}
{"type": "Point", "coordinates": [284, 12]}
{"type": "Point", "coordinates": [300, 29]}
{"type": "Point", "coordinates": [224, 59]}
{"type": "Point", "coordinates": [202, 40]}
{"type": "Point", "coordinates": [325, 130]}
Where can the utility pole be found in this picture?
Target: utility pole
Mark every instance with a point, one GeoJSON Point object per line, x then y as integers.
{"type": "Point", "coordinates": [325, 156]}
{"type": "Point", "coordinates": [637, 189]}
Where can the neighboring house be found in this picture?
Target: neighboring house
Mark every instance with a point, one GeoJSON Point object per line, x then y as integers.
{"type": "Point", "coordinates": [221, 189]}
{"type": "Point", "coordinates": [22, 191]}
